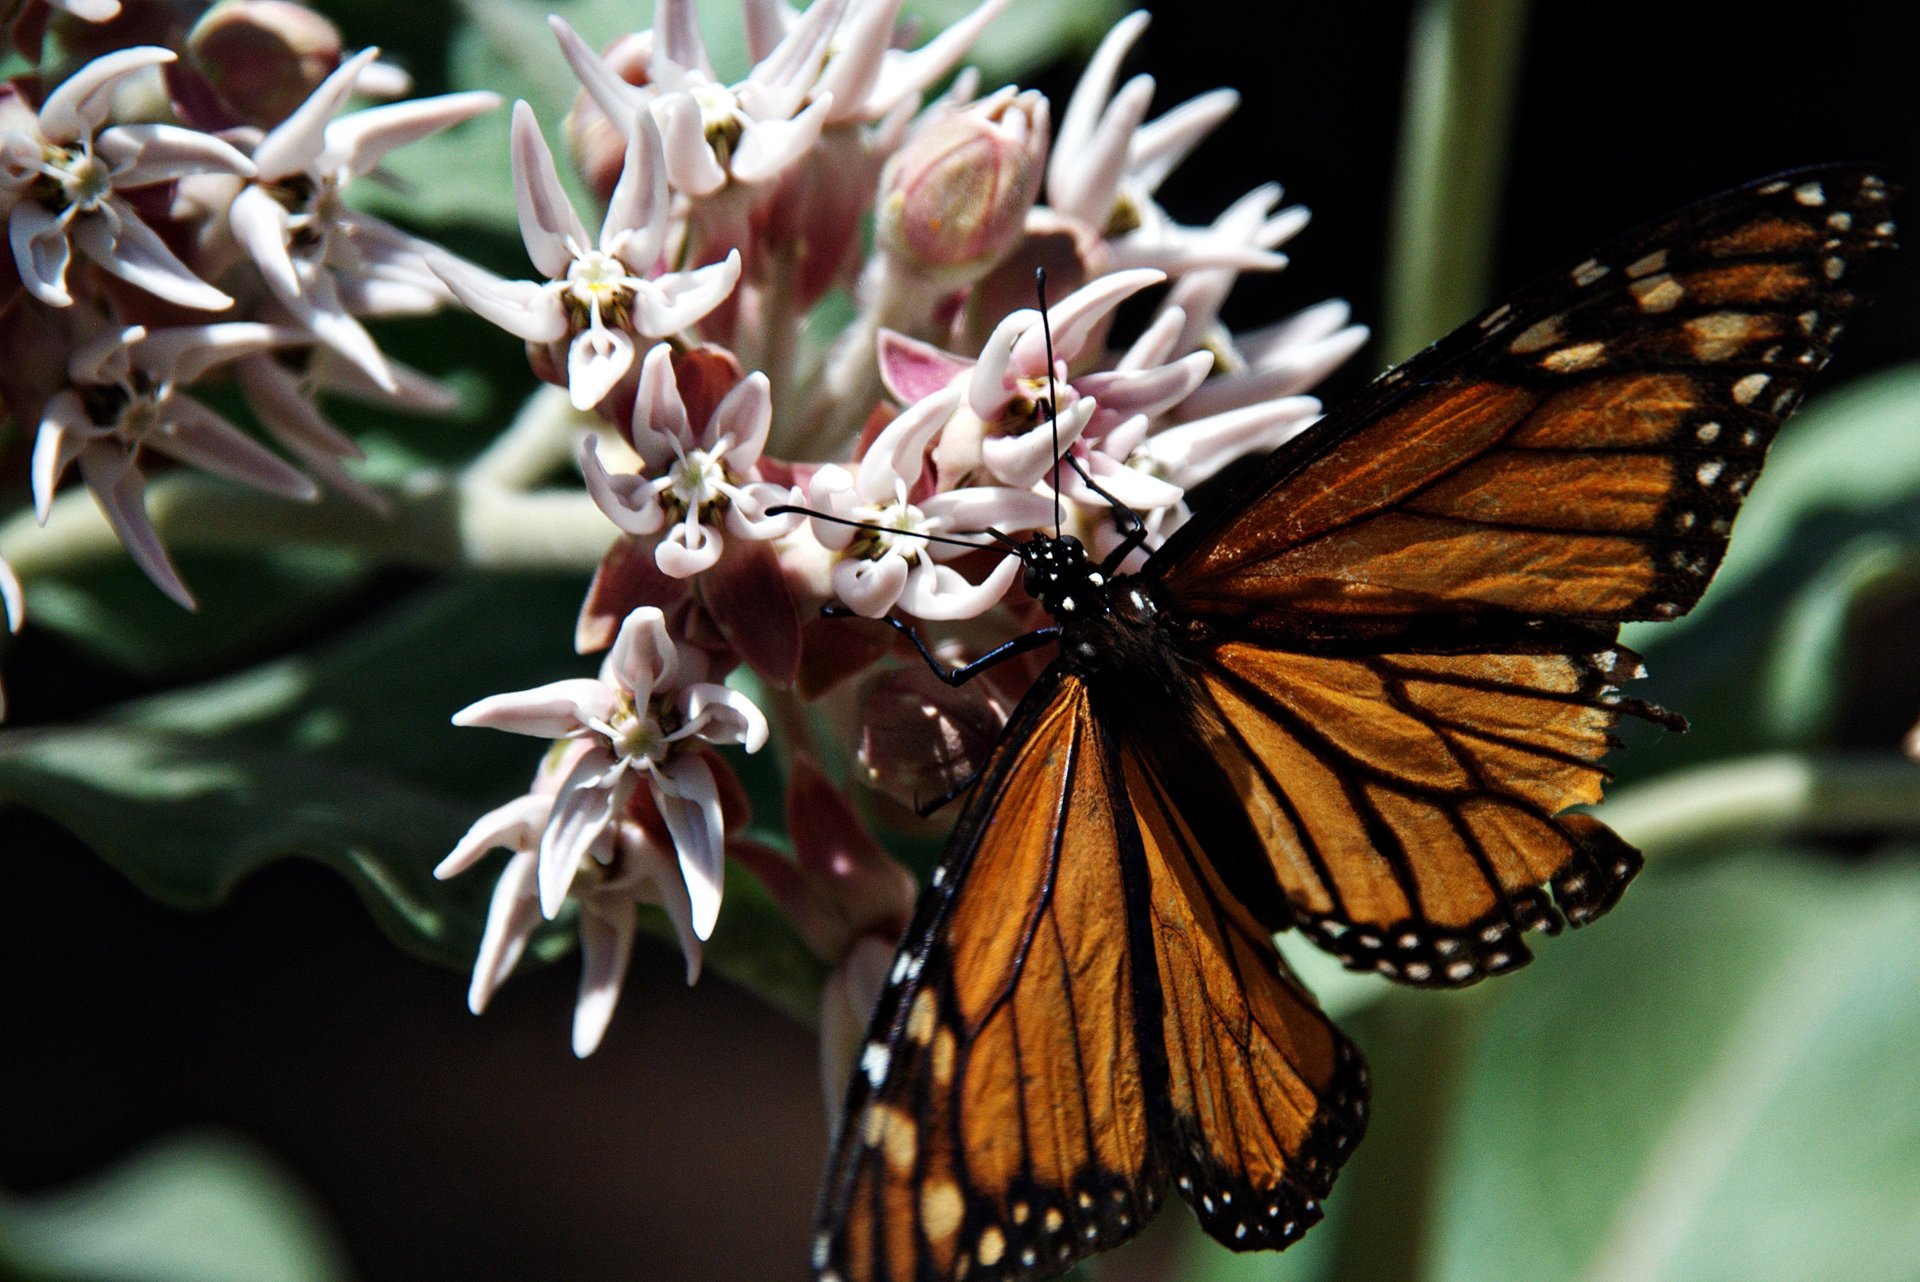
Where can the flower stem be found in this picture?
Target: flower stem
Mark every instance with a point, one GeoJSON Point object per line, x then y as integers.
{"type": "Point", "coordinates": [1766, 797]}
{"type": "Point", "coordinates": [537, 443]}
{"type": "Point", "coordinates": [435, 524]}
{"type": "Point", "coordinates": [1463, 67]}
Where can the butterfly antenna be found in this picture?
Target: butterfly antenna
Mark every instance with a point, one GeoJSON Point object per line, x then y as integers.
{"type": "Point", "coordinates": [781, 509]}
{"type": "Point", "coordinates": [1129, 519]}
{"type": "Point", "coordinates": [1053, 396]}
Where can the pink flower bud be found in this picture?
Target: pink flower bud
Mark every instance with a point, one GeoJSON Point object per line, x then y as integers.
{"type": "Point", "coordinates": [955, 197]}
{"type": "Point", "coordinates": [263, 58]}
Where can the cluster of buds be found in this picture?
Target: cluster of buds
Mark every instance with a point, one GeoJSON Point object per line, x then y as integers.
{"type": "Point", "coordinates": [690, 327]}
{"type": "Point", "coordinates": [175, 219]}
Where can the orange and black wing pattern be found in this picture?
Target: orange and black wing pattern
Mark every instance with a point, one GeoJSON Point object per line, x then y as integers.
{"type": "Point", "coordinates": [1576, 454]}
{"type": "Point", "coordinates": [1079, 1015]}
{"type": "Point", "coordinates": [1401, 627]}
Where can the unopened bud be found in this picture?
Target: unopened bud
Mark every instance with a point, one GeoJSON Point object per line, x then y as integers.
{"type": "Point", "coordinates": [263, 58]}
{"type": "Point", "coordinates": [956, 196]}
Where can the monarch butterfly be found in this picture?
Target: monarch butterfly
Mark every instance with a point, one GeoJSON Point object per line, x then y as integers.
{"type": "Point", "coordinates": [1352, 697]}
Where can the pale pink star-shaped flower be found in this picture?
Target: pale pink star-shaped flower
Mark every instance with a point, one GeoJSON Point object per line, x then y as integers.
{"type": "Point", "coordinates": [716, 134]}
{"type": "Point", "coordinates": [895, 563]}
{"type": "Point", "coordinates": [1108, 161]}
{"type": "Point", "coordinates": [327, 262]}
{"type": "Point", "coordinates": [124, 398]}
{"type": "Point", "coordinates": [598, 298]}
{"type": "Point", "coordinates": [65, 172]}
{"type": "Point", "coordinates": [629, 868]}
{"type": "Point", "coordinates": [648, 700]}
{"type": "Point", "coordinates": [696, 480]}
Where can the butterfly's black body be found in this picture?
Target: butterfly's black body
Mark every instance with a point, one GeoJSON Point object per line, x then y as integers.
{"type": "Point", "coordinates": [1362, 695]}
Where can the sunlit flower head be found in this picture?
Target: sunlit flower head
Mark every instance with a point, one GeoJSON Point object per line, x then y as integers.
{"type": "Point", "coordinates": [125, 400]}
{"type": "Point", "coordinates": [325, 261]}
{"type": "Point", "coordinates": [635, 719]}
{"type": "Point", "coordinates": [600, 296]}
{"type": "Point", "coordinates": [696, 480]}
{"type": "Point", "coordinates": [64, 178]}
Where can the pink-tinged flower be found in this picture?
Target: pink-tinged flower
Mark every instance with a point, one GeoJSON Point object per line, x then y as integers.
{"type": "Point", "coordinates": [868, 73]}
{"type": "Point", "coordinates": [325, 261]}
{"type": "Point", "coordinates": [64, 173]}
{"type": "Point", "coordinates": [955, 197]}
{"type": "Point", "coordinates": [636, 721]}
{"type": "Point", "coordinates": [634, 868]}
{"type": "Point", "coordinates": [281, 391]}
{"type": "Point", "coordinates": [694, 481]}
{"type": "Point", "coordinates": [124, 399]}
{"type": "Point", "coordinates": [597, 300]}
{"type": "Point", "coordinates": [14, 602]}
{"type": "Point", "coordinates": [1107, 164]}
{"type": "Point", "coordinates": [716, 134]}
{"type": "Point", "coordinates": [895, 563]}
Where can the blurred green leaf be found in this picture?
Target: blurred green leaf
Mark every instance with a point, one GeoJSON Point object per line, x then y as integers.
{"type": "Point", "coordinates": [344, 755]}
{"type": "Point", "coordinates": [1805, 675]}
{"type": "Point", "coordinates": [190, 1209]}
{"type": "Point", "coordinates": [112, 612]}
{"type": "Point", "coordinates": [1712, 1084]}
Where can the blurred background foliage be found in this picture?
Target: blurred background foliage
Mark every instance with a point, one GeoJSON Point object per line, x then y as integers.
{"type": "Point", "coordinates": [1716, 1083]}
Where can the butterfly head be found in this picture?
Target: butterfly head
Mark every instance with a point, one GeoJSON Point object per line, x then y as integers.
{"type": "Point", "coordinates": [1073, 589]}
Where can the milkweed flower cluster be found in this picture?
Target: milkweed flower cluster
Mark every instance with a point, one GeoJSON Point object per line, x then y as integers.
{"type": "Point", "coordinates": [689, 326]}
{"type": "Point", "coordinates": [802, 323]}
{"type": "Point", "coordinates": [174, 225]}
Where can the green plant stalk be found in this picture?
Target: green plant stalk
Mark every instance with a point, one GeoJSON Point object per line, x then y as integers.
{"type": "Point", "coordinates": [435, 523]}
{"type": "Point", "coordinates": [1463, 69]}
{"type": "Point", "coordinates": [1757, 799]}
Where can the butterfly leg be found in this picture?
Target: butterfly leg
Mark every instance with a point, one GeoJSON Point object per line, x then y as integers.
{"type": "Point", "coordinates": [966, 672]}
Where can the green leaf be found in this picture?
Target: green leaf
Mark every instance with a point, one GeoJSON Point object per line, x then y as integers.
{"type": "Point", "coordinates": [196, 1208]}
{"type": "Point", "coordinates": [112, 612]}
{"type": "Point", "coordinates": [1709, 1085]}
{"type": "Point", "coordinates": [345, 755]}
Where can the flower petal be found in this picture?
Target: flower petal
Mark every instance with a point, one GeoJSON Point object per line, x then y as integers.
{"type": "Point", "coordinates": [607, 928]}
{"type": "Point", "coordinates": [690, 803]}
{"type": "Point", "coordinates": [644, 656]}
{"type": "Point", "coordinates": [627, 501]}
{"type": "Point", "coordinates": [583, 809]}
{"type": "Point", "coordinates": [120, 490]}
{"type": "Point", "coordinates": [516, 826]}
{"type": "Point", "coordinates": [294, 145]}
{"type": "Point", "coordinates": [136, 254]}
{"type": "Point", "coordinates": [81, 103]}
{"type": "Point", "coordinates": [597, 359]}
{"type": "Point", "coordinates": [201, 437]}
{"type": "Point", "coordinates": [550, 711]}
{"type": "Point", "coordinates": [528, 310]}
{"type": "Point", "coordinates": [674, 301]}
{"type": "Point", "coordinates": [939, 592]}
{"type": "Point", "coordinates": [722, 716]}
{"type": "Point", "coordinates": [41, 252]}
{"type": "Point", "coordinates": [511, 919]}
{"type": "Point", "coordinates": [552, 231]}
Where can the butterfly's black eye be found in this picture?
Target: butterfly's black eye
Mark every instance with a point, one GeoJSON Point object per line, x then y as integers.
{"type": "Point", "coordinates": [1034, 579]}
